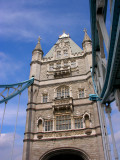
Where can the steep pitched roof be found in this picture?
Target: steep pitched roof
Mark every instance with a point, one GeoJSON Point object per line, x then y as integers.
{"type": "Point", "coordinates": [86, 37]}
{"type": "Point", "coordinates": [38, 46]}
{"type": "Point", "coordinates": [74, 47]}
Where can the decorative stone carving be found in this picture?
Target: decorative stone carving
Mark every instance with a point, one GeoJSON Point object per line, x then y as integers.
{"type": "Point", "coordinates": [88, 131]}
{"type": "Point", "coordinates": [65, 133]}
{"type": "Point", "coordinates": [63, 104]}
{"type": "Point", "coordinates": [62, 71]}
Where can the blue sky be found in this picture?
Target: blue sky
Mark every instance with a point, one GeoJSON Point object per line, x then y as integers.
{"type": "Point", "coordinates": [21, 22]}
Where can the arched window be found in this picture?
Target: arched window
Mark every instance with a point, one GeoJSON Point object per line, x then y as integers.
{"type": "Point", "coordinates": [63, 92]}
{"type": "Point", "coordinates": [40, 125]}
{"type": "Point", "coordinates": [87, 121]}
{"type": "Point", "coordinates": [81, 93]}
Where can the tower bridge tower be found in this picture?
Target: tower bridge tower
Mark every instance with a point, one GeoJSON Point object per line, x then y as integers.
{"type": "Point", "coordinates": [61, 122]}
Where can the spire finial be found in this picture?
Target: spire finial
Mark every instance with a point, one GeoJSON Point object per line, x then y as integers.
{"type": "Point", "coordinates": [85, 30]}
{"type": "Point", "coordinates": [63, 31]}
{"type": "Point", "coordinates": [39, 39]}
{"type": "Point", "coordinates": [38, 46]}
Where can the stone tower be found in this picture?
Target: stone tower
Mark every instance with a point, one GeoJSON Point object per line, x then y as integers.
{"type": "Point", "coordinates": [61, 122]}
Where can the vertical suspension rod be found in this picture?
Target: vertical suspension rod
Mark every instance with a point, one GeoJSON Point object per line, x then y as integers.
{"type": "Point", "coordinates": [108, 111]}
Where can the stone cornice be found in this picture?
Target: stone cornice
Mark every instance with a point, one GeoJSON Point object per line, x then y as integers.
{"type": "Point", "coordinates": [40, 50]}
{"type": "Point", "coordinates": [71, 79]}
{"type": "Point", "coordinates": [35, 61]}
{"type": "Point", "coordinates": [33, 133]}
{"type": "Point", "coordinates": [38, 81]}
{"type": "Point", "coordinates": [34, 109]}
{"type": "Point", "coordinates": [62, 138]}
{"type": "Point", "coordinates": [67, 80]}
{"type": "Point", "coordinates": [50, 108]}
{"type": "Point", "coordinates": [68, 58]}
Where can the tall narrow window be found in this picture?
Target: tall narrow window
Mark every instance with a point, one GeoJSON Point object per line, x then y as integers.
{"type": "Point", "coordinates": [65, 53]}
{"type": "Point", "coordinates": [40, 126]}
{"type": "Point", "coordinates": [81, 93]}
{"type": "Point", "coordinates": [58, 54]}
{"type": "Point", "coordinates": [78, 123]}
{"type": "Point", "coordinates": [65, 63]}
{"type": "Point", "coordinates": [66, 94]}
{"type": "Point", "coordinates": [73, 64]}
{"type": "Point", "coordinates": [58, 93]}
{"type": "Point", "coordinates": [51, 66]}
{"type": "Point", "coordinates": [45, 98]}
{"type": "Point", "coordinates": [87, 121]}
{"type": "Point", "coordinates": [63, 122]}
{"type": "Point", "coordinates": [63, 92]}
{"type": "Point", "coordinates": [58, 65]}
{"type": "Point", "coordinates": [48, 125]}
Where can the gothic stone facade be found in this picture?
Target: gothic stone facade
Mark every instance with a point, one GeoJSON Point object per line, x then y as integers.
{"type": "Point", "coordinates": [60, 117]}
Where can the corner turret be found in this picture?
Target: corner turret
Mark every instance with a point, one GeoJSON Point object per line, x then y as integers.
{"type": "Point", "coordinates": [87, 43]}
{"type": "Point", "coordinates": [37, 55]}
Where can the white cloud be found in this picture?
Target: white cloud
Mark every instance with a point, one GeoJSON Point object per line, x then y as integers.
{"type": "Point", "coordinates": [19, 22]}
{"type": "Point", "coordinates": [6, 143]}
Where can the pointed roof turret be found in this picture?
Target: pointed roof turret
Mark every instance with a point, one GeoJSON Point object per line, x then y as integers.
{"type": "Point", "coordinates": [38, 46]}
{"type": "Point", "coordinates": [87, 43]}
{"type": "Point", "coordinates": [86, 37]}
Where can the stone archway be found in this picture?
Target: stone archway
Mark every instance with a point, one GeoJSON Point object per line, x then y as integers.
{"type": "Point", "coordinates": [65, 154]}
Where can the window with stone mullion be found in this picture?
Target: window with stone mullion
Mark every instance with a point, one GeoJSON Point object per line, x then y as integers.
{"type": "Point", "coordinates": [63, 122]}
{"type": "Point", "coordinates": [45, 97]}
{"type": "Point", "coordinates": [58, 54]}
{"type": "Point", "coordinates": [59, 93]}
{"type": "Point", "coordinates": [66, 92]}
{"type": "Point", "coordinates": [65, 53]}
{"type": "Point", "coordinates": [65, 64]}
{"type": "Point", "coordinates": [73, 64]}
{"type": "Point", "coordinates": [51, 66]}
{"type": "Point", "coordinates": [81, 93]}
{"type": "Point", "coordinates": [63, 92]}
{"type": "Point", "coordinates": [78, 123]}
{"type": "Point", "coordinates": [48, 125]}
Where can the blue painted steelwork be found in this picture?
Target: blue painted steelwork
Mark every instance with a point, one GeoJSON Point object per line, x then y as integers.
{"type": "Point", "coordinates": [95, 40]}
{"type": "Point", "coordinates": [23, 86]}
{"type": "Point", "coordinates": [94, 33]}
{"type": "Point", "coordinates": [94, 97]}
{"type": "Point", "coordinates": [114, 37]}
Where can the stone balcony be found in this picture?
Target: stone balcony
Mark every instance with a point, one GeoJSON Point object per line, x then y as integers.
{"type": "Point", "coordinates": [62, 71]}
{"type": "Point", "coordinates": [60, 104]}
